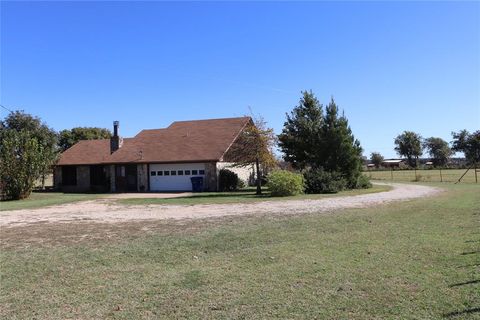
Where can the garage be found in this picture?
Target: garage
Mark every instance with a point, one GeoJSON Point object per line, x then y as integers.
{"type": "Point", "coordinates": [174, 176]}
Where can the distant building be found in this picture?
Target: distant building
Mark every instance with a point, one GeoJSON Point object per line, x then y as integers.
{"type": "Point", "coordinates": [392, 163]}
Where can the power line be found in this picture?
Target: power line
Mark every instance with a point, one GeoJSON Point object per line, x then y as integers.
{"type": "Point", "coordinates": [6, 108]}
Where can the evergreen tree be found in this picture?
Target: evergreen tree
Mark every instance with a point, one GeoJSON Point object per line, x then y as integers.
{"type": "Point", "coordinates": [312, 140]}
{"type": "Point", "coordinates": [341, 152]}
{"type": "Point", "coordinates": [302, 131]}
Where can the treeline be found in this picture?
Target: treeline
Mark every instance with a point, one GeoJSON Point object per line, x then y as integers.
{"type": "Point", "coordinates": [412, 146]}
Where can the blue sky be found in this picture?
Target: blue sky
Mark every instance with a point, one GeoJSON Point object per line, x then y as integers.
{"type": "Point", "coordinates": [391, 66]}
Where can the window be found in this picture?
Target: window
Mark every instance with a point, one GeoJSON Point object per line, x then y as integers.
{"type": "Point", "coordinates": [120, 171]}
{"type": "Point", "coordinates": [194, 172]}
{"type": "Point", "coordinates": [69, 175]}
{"type": "Point", "coordinates": [173, 173]}
{"type": "Point", "coordinates": [97, 175]}
{"type": "Point", "coordinates": [180, 172]}
{"type": "Point", "coordinates": [201, 172]}
{"type": "Point", "coordinates": [159, 173]}
{"type": "Point", "coordinates": [187, 172]}
{"type": "Point", "coordinates": [166, 173]}
{"type": "Point", "coordinates": [153, 173]}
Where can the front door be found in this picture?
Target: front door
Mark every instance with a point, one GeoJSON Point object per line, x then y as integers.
{"type": "Point", "coordinates": [131, 172]}
{"type": "Point", "coordinates": [126, 178]}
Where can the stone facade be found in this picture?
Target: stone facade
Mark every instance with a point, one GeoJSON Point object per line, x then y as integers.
{"type": "Point", "coordinates": [142, 178]}
{"type": "Point", "coordinates": [83, 184]}
{"type": "Point", "coordinates": [111, 177]}
{"type": "Point", "coordinates": [57, 177]}
{"type": "Point", "coordinates": [211, 177]}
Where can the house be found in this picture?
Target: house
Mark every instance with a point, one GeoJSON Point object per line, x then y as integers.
{"type": "Point", "coordinates": [154, 160]}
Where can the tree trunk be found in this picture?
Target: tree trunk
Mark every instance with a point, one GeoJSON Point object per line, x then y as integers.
{"type": "Point", "coordinates": [259, 180]}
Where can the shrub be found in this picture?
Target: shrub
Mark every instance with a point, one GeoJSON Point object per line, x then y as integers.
{"type": "Point", "coordinates": [321, 181]}
{"type": "Point", "coordinates": [241, 184]}
{"type": "Point", "coordinates": [228, 180]}
{"type": "Point", "coordinates": [285, 183]}
{"type": "Point", "coordinates": [363, 182]}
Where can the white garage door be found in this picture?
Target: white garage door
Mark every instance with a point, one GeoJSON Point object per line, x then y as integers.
{"type": "Point", "coordinates": [174, 176]}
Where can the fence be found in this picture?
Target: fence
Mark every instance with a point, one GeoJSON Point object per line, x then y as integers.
{"type": "Point", "coordinates": [427, 175]}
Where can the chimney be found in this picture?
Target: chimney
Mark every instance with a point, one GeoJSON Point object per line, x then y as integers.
{"type": "Point", "coordinates": [115, 141]}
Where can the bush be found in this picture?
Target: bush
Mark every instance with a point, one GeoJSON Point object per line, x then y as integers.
{"type": "Point", "coordinates": [241, 184]}
{"type": "Point", "coordinates": [321, 181]}
{"type": "Point", "coordinates": [285, 183]}
{"type": "Point", "coordinates": [363, 182]}
{"type": "Point", "coordinates": [228, 180]}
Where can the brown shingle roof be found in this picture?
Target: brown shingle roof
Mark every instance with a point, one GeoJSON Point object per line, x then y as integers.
{"type": "Point", "coordinates": [182, 141]}
{"type": "Point", "coordinates": [86, 152]}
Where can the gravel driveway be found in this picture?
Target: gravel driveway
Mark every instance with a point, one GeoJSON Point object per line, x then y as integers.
{"type": "Point", "coordinates": [107, 210]}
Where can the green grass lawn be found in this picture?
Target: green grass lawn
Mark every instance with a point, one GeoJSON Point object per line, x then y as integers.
{"type": "Point", "coordinates": [430, 175]}
{"type": "Point", "coordinates": [407, 260]}
{"type": "Point", "coordinates": [43, 199]}
{"type": "Point", "coordinates": [242, 196]}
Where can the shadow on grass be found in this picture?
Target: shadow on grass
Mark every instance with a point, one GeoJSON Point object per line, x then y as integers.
{"type": "Point", "coordinates": [470, 265]}
{"type": "Point", "coordinates": [460, 313]}
{"type": "Point", "coordinates": [469, 252]}
{"type": "Point", "coordinates": [464, 283]}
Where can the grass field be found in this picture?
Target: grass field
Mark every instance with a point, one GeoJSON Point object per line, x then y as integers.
{"type": "Point", "coordinates": [43, 199]}
{"type": "Point", "coordinates": [411, 260]}
{"type": "Point", "coordinates": [430, 175]}
{"type": "Point", "coordinates": [242, 196]}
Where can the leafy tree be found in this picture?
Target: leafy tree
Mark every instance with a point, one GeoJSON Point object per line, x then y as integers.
{"type": "Point", "coordinates": [68, 138]}
{"type": "Point", "coordinates": [376, 159]}
{"type": "Point", "coordinates": [254, 145]}
{"type": "Point", "coordinates": [467, 143]}
{"type": "Point", "coordinates": [409, 145]}
{"type": "Point", "coordinates": [312, 140]}
{"type": "Point", "coordinates": [27, 153]}
{"type": "Point", "coordinates": [438, 149]}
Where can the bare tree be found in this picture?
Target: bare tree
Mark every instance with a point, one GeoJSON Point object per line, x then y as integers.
{"type": "Point", "coordinates": [254, 145]}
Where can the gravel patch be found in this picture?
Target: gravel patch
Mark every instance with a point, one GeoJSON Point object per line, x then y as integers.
{"type": "Point", "coordinates": [107, 210]}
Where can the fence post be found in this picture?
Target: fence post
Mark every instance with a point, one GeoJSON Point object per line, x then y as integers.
{"type": "Point", "coordinates": [416, 179]}
{"type": "Point", "coordinates": [441, 179]}
{"type": "Point", "coordinates": [391, 173]}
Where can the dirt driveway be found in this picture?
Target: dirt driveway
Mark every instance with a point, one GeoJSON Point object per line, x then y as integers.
{"type": "Point", "coordinates": [107, 210]}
